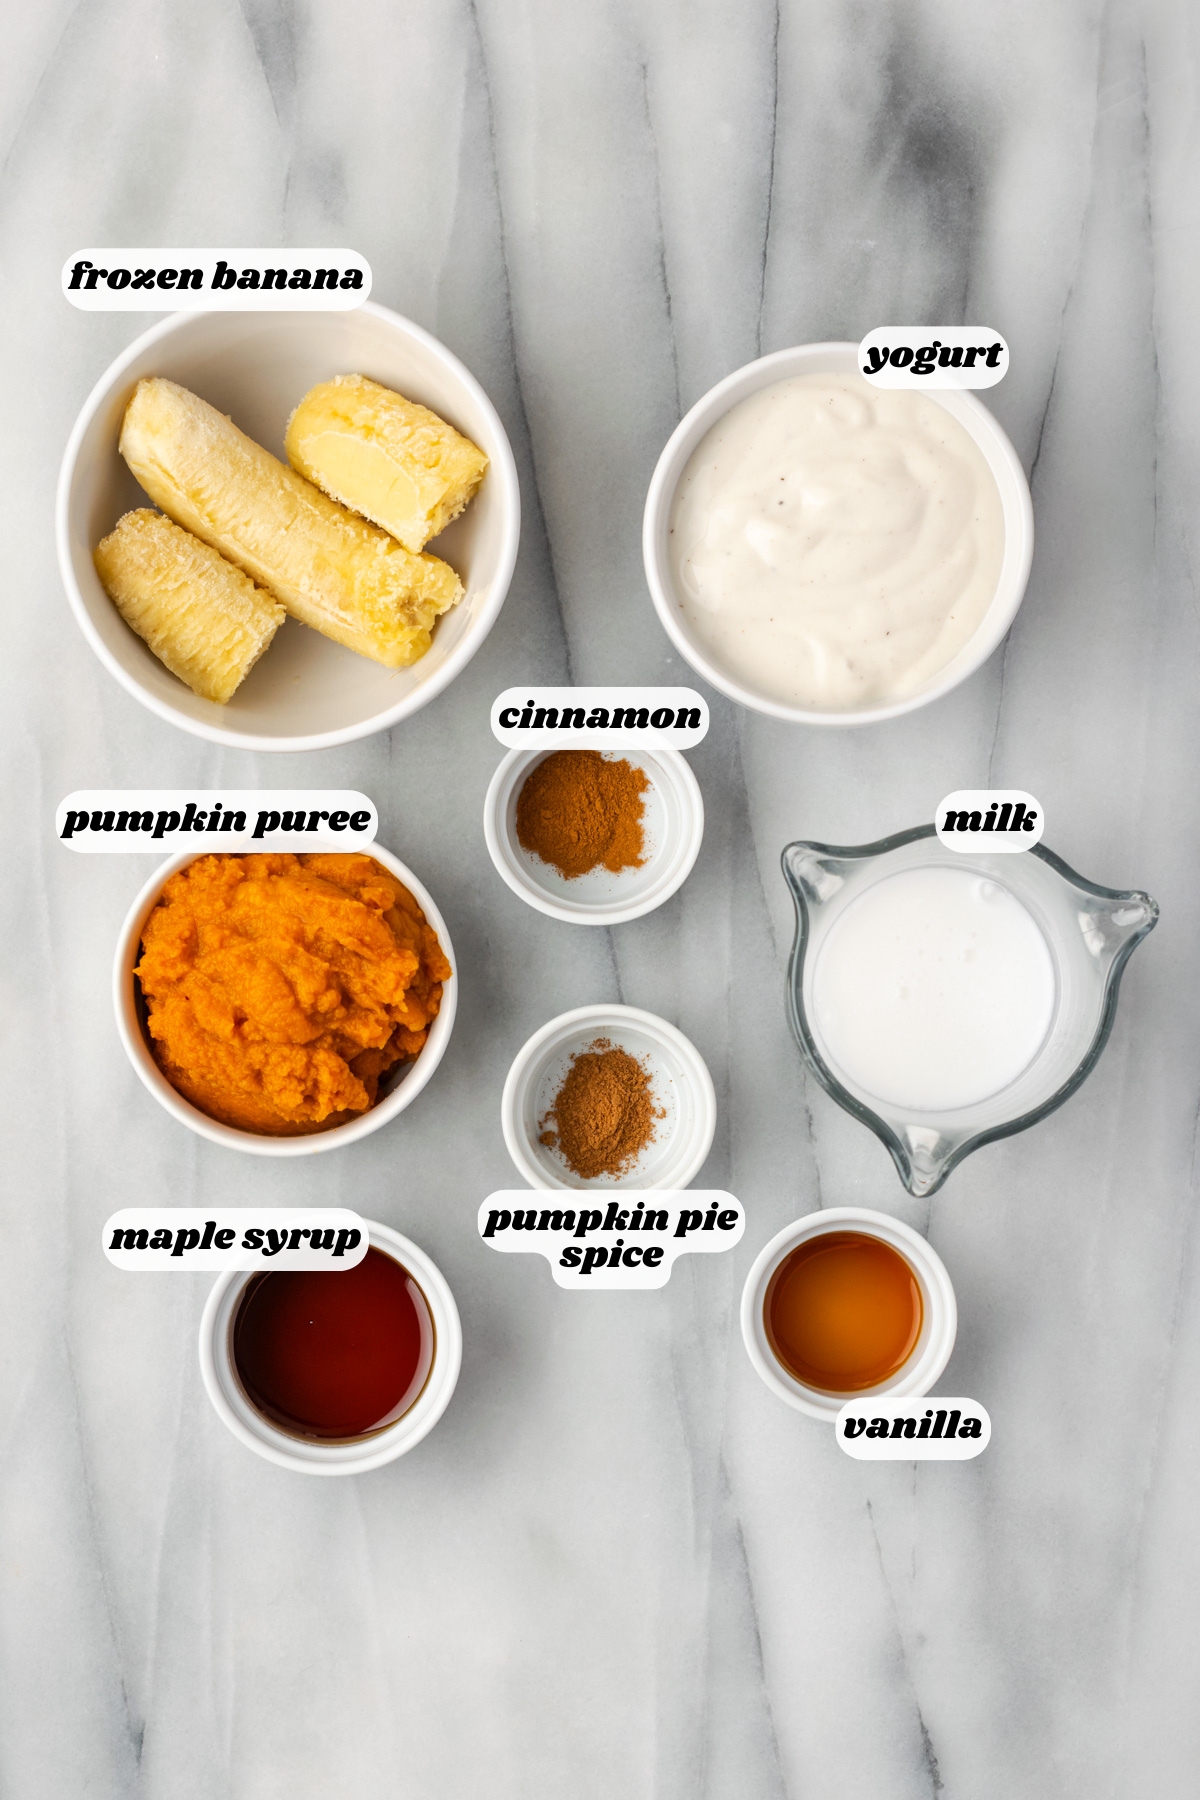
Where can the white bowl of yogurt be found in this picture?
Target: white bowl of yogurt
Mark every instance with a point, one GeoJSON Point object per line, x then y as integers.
{"type": "Point", "coordinates": [832, 553]}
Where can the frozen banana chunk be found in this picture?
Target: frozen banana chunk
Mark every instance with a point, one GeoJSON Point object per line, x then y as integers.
{"type": "Point", "coordinates": [387, 458]}
{"type": "Point", "coordinates": [331, 570]}
{"type": "Point", "coordinates": [201, 617]}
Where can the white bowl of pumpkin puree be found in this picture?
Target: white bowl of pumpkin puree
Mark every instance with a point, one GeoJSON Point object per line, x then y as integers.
{"type": "Point", "coordinates": [284, 1004]}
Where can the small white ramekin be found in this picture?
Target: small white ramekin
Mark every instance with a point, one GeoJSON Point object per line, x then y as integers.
{"type": "Point", "coordinates": [307, 692]}
{"type": "Point", "coordinates": [673, 828]}
{"type": "Point", "coordinates": [839, 358]}
{"type": "Point", "coordinates": [133, 1035]}
{"type": "Point", "coordinates": [933, 1347]}
{"type": "Point", "coordinates": [304, 1455]}
{"type": "Point", "coordinates": [680, 1082]}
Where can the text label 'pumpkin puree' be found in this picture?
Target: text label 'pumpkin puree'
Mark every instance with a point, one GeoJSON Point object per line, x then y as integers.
{"type": "Point", "coordinates": [280, 989]}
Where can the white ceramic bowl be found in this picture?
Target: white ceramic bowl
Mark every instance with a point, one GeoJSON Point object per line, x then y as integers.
{"type": "Point", "coordinates": [938, 1328]}
{"type": "Point", "coordinates": [126, 1004]}
{"type": "Point", "coordinates": [307, 692]}
{"type": "Point", "coordinates": [680, 1082]}
{"type": "Point", "coordinates": [813, 359]}
{"type": "Point", "coordinates": [258, 1433]}
{"type": "Point", "coordinates": [673, 830]}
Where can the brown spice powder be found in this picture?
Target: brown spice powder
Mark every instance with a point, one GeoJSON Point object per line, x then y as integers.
{"type": "Point", "coordinates": [579, 811]}
{"type": "Point", "coordinates": [603, 1114]}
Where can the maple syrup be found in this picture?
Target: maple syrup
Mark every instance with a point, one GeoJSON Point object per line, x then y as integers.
{"type": "Point", "coordinates": [334, 1356]}
{"type": "Point", "coordinates": [843, 1312]}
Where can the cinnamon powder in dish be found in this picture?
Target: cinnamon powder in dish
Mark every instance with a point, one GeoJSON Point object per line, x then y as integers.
{"type": "Point", "coordinates": [604, 1114]}
{"type": "Point", "coordinates": [578, 811]}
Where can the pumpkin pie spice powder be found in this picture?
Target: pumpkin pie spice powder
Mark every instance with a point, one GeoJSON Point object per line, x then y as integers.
{"type": "Point", "coordinates": [603, 1114]}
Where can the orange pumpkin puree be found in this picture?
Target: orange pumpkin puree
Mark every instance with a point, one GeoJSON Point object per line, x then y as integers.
{"type": "Point", "coordinates": [279, 989]}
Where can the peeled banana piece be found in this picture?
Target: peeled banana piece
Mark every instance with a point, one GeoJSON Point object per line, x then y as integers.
{"type": "Point", "coordinates": [201, 617]}
{"type": "Point", "coordinates": [333, 571]}
{"type": "Point", "coordinates": [386, 457]}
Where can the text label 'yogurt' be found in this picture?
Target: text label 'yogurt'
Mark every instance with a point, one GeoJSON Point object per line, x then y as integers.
{"type": "Point", "coordinates": [995, 820]}
{"type": "Point", "coordinates": [154, 820]}
{"type": "Point", "coordinates": [629, 1240]}
{"type": "Point", "coordinates": [216, 280]}
{"type": "Point", "coordinates": [924, 1430]}
{"type": "Point", "coordinates": [595, 718]}
{"type": "Point", "coordinates": [209, 1238]}
{"type": "Point", "coordinates": [933, 356]}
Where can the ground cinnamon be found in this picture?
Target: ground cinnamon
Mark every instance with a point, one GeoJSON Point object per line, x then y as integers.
{"type": "Point", "coordinates": [579, 811]}
{"type": "Point", "coordinates": [603, 1114]}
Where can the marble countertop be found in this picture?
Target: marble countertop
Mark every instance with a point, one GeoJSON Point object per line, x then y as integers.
{"type": "Point", "coordinates": [619, 1567]}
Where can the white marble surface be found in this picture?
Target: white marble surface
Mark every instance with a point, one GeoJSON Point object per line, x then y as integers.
{"type": "Point", "coordinates": [619, 1568]}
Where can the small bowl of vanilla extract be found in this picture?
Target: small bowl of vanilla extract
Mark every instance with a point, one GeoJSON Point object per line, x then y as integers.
{"type": "Point", "coordinates": [334, 1372]}
{"type": "Point", "coordinates": [847, 1303]}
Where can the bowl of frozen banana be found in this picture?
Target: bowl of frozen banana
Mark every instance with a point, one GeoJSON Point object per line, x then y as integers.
{"type": "Point", "coordinates": [284, 531]}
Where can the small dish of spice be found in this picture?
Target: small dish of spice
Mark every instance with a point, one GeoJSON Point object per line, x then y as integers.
{"type": "Point", "coordinates": [606, 1097]}
{"type": "Point", "coordinates": [594, 836]}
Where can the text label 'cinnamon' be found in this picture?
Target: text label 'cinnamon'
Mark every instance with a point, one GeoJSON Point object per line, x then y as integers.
{"type": "Point", "coordinates": [599, 718]}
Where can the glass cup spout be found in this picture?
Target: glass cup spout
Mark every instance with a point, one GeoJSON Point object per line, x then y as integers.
{"type": "Point", "coordinates": [1090, 931]}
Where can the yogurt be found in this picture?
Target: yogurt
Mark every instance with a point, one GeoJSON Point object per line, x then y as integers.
{"type": "Point", "coordinates": [835, 545]}
{"type": "Point", "coordinates": [933, 990]}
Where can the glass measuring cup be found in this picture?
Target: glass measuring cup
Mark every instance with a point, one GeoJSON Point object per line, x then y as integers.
{"type": "Point", "coordinates": [1090, 931]}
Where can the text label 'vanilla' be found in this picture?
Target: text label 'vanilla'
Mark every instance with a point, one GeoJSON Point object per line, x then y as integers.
{"type": "Point", "coordinates": [874, 1429]}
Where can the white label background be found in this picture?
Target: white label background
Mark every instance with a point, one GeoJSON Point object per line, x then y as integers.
{"type": "Point", "coordinates": [995, 843]}
{"type": "Point", "coordinates": [917, 337]}
{"type": "Point", "coordinates": [240, 1220]}
{"type": "Point", "coordinates": [251, 801]}
{"type": "Point", "coordinates": [598, 737]}
{"type": "Point", "coordinates": [206, 298]}
{"type": "Point", "coordinates": [914, 1449]}
{"type": "Point", "coordinates": [551, 1244]}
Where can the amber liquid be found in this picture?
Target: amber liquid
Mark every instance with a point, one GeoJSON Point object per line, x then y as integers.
{"type": "Point", "coordinates": [334, 1356]}
{"type": "Point", "coordinates": [843, 1312]}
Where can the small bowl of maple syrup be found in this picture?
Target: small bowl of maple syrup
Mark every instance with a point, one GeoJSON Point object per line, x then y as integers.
{"type": "Point", "coordinates": [333, 1372]}
{"type": "Point", "coordinates": [844, 1304]}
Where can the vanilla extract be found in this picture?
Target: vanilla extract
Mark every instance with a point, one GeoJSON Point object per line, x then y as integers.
{"type": "Point", "coordinates": [843, 1312]}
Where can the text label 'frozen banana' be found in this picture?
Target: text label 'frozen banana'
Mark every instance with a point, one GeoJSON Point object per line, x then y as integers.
{"type": "Point", "coordinates": [933, 356]}
{"type": "Point", "coordinates": [155, 820]}
{"type": "Point", "coordinates": [990, 820]}
{"type": "Point", "coordinates": [924, 1430]}
{"type": "Point", "coordinates": [601, 1241]}
{"type": "Point", "coordinates": [225, 1237]}
{"type": "Point", "coordinates": [592, 718]}
{"type": "Point", "coordinates": [216, 280]}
